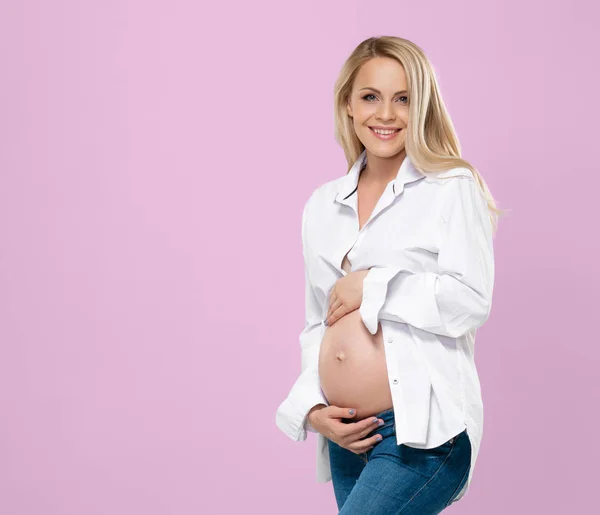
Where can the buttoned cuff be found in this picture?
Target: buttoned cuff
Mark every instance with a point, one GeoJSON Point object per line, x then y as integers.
{"type": "Point", "coordinates": [291, 417]}
{"type": "Point", "coordinates": [411, 299]}
{"type": "Point", "coordinates": [307, 425]}
{"type": "Point", "coordinates": [374, 292]}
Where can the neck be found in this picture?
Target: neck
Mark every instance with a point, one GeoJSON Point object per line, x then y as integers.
{"type": "Point", "coordinates": [382, 170]}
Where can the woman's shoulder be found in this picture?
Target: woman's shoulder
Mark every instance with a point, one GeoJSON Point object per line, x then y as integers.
{"type": "Point", "coordinates": [324, 194]}
{"type": "Point", "coordinates": [458, 172]}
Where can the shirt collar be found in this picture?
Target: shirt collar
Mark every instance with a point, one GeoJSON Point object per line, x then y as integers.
{"type": "Point", "coordinates": [406, 173]}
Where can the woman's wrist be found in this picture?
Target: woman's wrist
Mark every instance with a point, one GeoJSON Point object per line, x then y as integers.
{"type": "Point", "coordinates": [313, 410]}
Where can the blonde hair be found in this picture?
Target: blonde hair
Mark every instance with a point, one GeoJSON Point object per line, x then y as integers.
{"type": "Point", "coordinates": [431, 142]}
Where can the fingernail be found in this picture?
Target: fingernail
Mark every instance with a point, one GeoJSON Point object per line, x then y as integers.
{"type": "Point", "coordinates": [379, 437]}
{"type": "Point", "coordinates": [381, 422]}
{"type": "Point", "coordinates": [325, 322]}
{"type": "Point", "coordinates": [351, 411]}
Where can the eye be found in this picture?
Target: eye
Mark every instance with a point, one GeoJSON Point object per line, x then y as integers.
{"type": "Point", "coordinates": [366, 97]}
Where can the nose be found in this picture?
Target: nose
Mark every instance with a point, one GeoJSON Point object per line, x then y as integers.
{"type": "Point", "coordinates": [385, 111]}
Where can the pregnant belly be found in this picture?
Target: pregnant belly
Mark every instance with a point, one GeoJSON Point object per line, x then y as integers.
{"type": "Point", "coordinates": [352, 367]}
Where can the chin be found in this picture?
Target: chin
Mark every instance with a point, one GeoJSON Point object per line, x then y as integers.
{"type": "Point", "coordinates": [382, 151]}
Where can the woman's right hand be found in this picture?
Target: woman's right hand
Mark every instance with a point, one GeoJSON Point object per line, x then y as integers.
{"type": "Point", "coordinates": [326, 420]}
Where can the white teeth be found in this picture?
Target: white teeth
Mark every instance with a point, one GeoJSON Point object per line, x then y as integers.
{"type": "Point", "coordinates": [379, 131]}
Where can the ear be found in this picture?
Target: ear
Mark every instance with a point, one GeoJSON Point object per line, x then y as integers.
{"type": "Point", "coordinates": [349, 108]}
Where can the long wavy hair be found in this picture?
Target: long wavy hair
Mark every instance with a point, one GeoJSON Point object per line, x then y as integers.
{"type": "Point", "coordinates": [431, 141]}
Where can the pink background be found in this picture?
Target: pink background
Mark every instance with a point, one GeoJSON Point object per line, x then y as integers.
{"type": "Point", "coordinates": [155, 160]}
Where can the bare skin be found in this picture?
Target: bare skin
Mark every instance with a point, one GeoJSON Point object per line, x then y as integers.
{"type": "Point", "coordinates": [326, 420]}
{"type": "Point", "coordinates": [356, 371]}
{"type": "Point", "coordinates": [352, 363]}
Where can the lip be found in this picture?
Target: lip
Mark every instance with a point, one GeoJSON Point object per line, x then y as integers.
{"type": "Point", "coordinates": [386, 137]}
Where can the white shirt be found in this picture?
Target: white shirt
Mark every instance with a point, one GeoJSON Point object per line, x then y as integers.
{"type": "Point", "coordinates": [428, 244]}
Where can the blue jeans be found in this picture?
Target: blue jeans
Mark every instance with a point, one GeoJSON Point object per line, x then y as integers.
{"type": "Point", "coordinates": [398, 479]}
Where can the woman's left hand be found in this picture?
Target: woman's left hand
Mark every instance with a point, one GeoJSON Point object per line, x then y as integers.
{"type": "Point", "coordinates": [345, 296]}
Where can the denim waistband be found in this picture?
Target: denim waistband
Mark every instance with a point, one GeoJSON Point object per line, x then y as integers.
{"type": "Point", "coordinates": [386, 416]}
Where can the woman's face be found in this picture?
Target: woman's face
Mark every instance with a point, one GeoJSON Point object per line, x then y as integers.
{"type": "Point", "coordinates": [379, 98]}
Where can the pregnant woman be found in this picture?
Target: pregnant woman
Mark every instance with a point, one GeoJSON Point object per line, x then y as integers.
{"type": "Point", "coordinates": [399, 272]}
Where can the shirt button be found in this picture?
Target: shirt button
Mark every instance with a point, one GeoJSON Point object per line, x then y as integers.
{"type": "Point", "coordinates": [390, 340]}
{"type": "Point", "coordinates": [395, 381]}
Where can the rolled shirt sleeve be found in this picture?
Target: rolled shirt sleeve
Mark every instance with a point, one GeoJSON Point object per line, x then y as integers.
{"type": "Point", "coordinates": [306, 392]}
{"type": "Point", "coordinates": [458, 298]}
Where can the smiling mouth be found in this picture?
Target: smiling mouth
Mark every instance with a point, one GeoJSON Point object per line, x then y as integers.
{"type": "Point", "coordinates": [385, 135]}
{"type": "Point", "coordinates": [394, 129]}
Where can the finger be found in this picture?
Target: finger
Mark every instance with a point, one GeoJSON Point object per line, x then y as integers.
{"type": "Point", "coordinates": [332, 298]}
{"type": "Point", "coordinates": [337, 412]}
{"type": "Point", "coordinates": [329, 302]}
{"type": "Point", "coordinates": [363, 445]}
{"type": "Point", "coordinates": [369, 428]}
{"type": "Point", "coordinates": [332, 293]}
{"type": "Point", "coordinates": [337, 314]}
{"type": "Point", "coordinates": [357, 430]}
{"type": "Point", "coordinates": [336, 304]}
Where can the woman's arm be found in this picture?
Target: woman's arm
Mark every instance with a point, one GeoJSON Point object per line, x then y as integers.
{"type": "Point", "coordinates": [458, 298]}
{"type": "Point", "coordinates": [306, 393]}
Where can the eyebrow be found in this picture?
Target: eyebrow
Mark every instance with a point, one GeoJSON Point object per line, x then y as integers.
{"type": "Point", "coordinates": [377, 91]}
